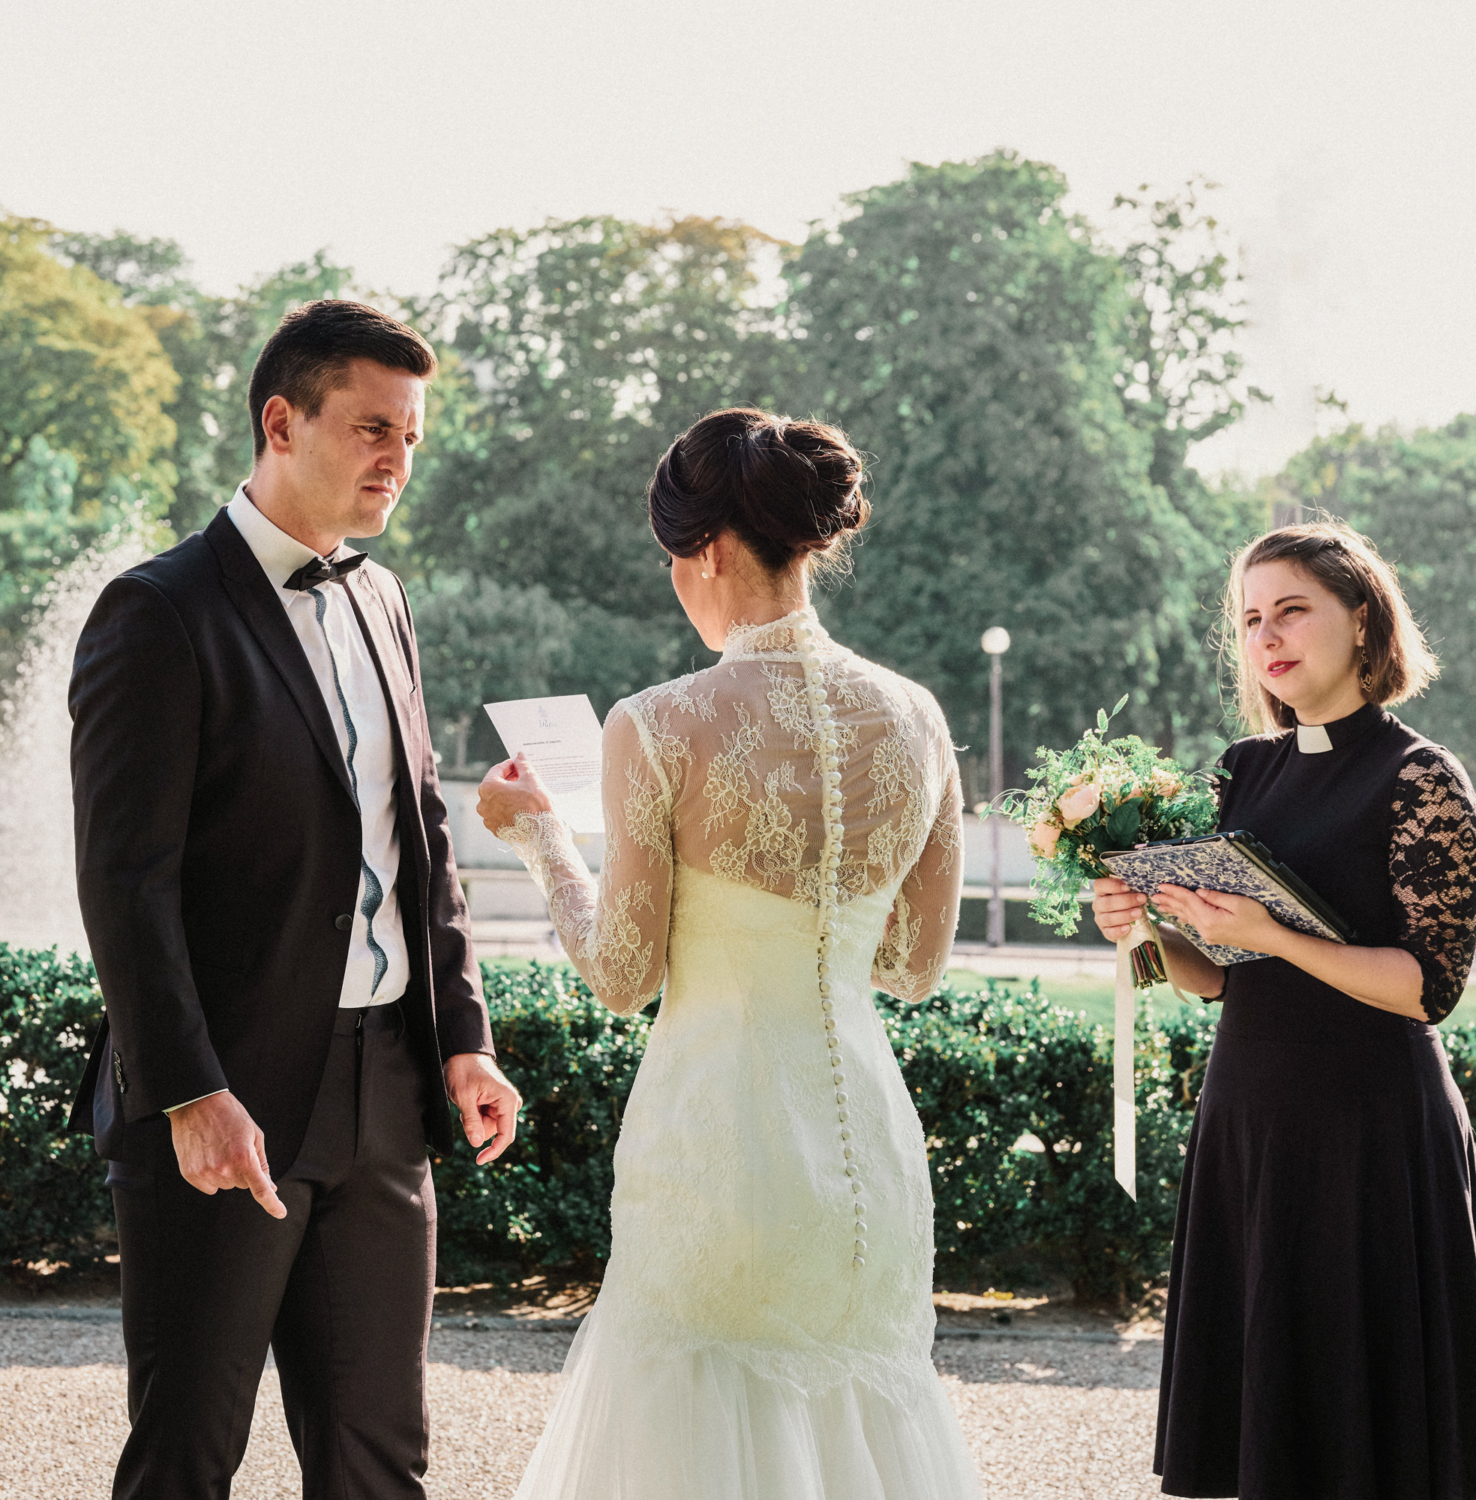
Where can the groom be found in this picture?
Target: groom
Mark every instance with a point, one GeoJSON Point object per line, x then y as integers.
{"type": "Point", "coordinates": [269, 891]}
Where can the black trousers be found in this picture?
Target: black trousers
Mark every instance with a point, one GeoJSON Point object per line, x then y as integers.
{"type": "Point", "coordinates": [340, 1291]}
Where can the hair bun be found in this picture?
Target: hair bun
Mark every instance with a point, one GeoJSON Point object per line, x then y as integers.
{"type": "Point", "coordinates": [785, 488]}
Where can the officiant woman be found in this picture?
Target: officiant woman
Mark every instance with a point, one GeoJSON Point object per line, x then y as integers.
{"type": "Point", "coordinates": [1321, 1331]}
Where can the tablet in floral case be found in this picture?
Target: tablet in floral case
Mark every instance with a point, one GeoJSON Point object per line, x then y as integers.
{"type": "Point", "coordinates": [1235, 863]}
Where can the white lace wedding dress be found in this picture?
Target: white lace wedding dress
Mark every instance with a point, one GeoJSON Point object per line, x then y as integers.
{"type": "Point", "coordinates": [783, 831]}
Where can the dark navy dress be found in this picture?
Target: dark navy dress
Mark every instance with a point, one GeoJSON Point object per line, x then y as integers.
{"type": "Point", "coordinates": [1321, 1332]}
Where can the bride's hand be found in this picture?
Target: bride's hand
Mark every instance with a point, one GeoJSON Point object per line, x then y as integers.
{"type": "Point", "coordinates": [511, 787]}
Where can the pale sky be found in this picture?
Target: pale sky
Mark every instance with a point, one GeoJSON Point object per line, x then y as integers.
{"type": "Point", "coordinates": [1343, 133]}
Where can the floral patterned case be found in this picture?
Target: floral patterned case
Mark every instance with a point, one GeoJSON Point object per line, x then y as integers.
{"type": "Point", "coordinates": [1240, 865]}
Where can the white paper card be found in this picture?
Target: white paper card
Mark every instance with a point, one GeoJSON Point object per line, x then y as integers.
{"type": "Point", "coordinates": [561, 736]}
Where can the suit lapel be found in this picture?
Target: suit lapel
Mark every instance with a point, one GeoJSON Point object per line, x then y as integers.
{"type": "Point", "coordinates": [251, 592]}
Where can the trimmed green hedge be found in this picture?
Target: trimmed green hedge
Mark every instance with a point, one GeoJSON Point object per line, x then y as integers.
{"type": "Point", "coordinates": [547, 1201]}
{"type": "Point", "coordinates": [53, 1205]}
{"type": "Point", "coordinates": [986, 1069]}
{"type": "Point", "coordinates": [990, 1068]}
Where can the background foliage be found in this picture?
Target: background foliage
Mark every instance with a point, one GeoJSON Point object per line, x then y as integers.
{"type": "Point", "coordinates": [1415, 495]}
{"type": "Point", "coordinates": [1029, 386]}
{"type": "Point", "coordinates": [52, 1200]}
{"type": "Point", "coordinates": [986, 344]}
{"type": "Point", "coordinates": [1027, 383]}
{"type": "Point", "coordinates": [85, 434]}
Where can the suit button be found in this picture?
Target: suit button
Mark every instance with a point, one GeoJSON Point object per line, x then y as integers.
{"type": "Point", "coordinates": [344, 922]}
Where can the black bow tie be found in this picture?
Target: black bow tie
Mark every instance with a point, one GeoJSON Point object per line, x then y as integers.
{"type": "Point", "coordinates": [310, 575]}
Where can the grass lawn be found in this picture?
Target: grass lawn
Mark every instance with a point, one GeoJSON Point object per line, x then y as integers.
{"type": "Point", "coordinates": [1094, 997]}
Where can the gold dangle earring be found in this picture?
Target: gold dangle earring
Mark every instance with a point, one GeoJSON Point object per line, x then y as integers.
{"type": "Point", "coordinates": [1365, 672]}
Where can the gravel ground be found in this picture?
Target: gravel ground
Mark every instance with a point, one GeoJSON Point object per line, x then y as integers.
{"type": "Point", "coordinates": [1046, 1418]}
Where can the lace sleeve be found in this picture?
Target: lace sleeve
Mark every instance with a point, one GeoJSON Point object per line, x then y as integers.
{"type": "Point", "coordinates": [614, 931]}
{"type": "Point", "coordinates": [1432, 869]}
{"type": "Point", "coordinates": [919, 937]}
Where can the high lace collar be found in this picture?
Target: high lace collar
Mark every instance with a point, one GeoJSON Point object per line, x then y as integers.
{"type": "Point", "coordinates": [776, 638]}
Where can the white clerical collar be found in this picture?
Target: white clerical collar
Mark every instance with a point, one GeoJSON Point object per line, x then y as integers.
{"type": "Point", "coordinates": [1313, 739]}
{"type": "Point", "coordinates": [1318, 739]}
{"type": "Point", "coordinates": [280, 555]}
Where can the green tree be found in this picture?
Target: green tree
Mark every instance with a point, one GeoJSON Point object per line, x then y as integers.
{"type": "Point", "coordinates": [77, 367]}
{"type": "Point", "coordinates": [1182, 381]}
{"type": "Point", "coordinates": [212, 343]}
{"type": "Point", "coordinates": [479, 641]}
{"type": "Point", "coordinates": [1182, 373]}
{"type": "Point", "coordinates": [148, 272]}
{"type": "Point", "coordinates": [85, 433]}
{"type": "Point", "coordinates": [573, 355]}
{"type": "Point", "coordinates": [1415, 496]}
{"type": "Point", "coordinates": [970, 331]}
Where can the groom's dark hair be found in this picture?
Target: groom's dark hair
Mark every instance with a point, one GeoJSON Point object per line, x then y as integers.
{"type": "Point", "coordinates": [311, 349]}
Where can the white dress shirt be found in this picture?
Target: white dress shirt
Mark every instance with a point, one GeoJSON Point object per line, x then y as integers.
{"type": "Point", "coordinates": [374, 755]}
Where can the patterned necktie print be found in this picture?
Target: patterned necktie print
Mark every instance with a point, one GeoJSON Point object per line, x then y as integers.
{"type": "Point", "coordinates": [373, 891]}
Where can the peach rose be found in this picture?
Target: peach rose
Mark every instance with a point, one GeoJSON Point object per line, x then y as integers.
{"type": "Point", "coordinates": [1080, 802]}
{"type": "Point", "coordinates": [1043, 838]}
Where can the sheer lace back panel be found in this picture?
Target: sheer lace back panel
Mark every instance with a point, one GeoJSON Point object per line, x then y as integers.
{"type": "Point", "coordinates": [744, 767]}
{"type": "Point", "coordinates": [726, 772]}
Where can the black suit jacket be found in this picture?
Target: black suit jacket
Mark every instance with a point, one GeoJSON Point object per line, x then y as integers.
{"type": "Point", "coordinates": [218, 847]}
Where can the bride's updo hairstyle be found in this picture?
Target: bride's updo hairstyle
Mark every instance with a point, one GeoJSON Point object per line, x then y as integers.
{"type": "Point", "coordinates": [1397, 663]}
{"type": "Point", "coordinates": [789, 491]}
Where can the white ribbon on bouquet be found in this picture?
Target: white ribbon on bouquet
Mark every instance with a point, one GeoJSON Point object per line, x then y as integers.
{"type": "Point", "coordinates": [1124, 1084]}
{"type": "Point", "coordinates": [1124, 1095]}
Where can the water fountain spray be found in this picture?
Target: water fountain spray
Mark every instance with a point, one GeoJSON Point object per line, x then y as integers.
{"type": "Point", "coordinates": [38, 879]}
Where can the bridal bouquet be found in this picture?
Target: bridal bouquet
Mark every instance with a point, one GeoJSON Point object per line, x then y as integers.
{"type": "Point", "coordinates": [1099, 795]}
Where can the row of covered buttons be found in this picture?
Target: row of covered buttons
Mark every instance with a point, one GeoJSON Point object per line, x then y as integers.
{"type": "Point", "coordinates": [830, 853]}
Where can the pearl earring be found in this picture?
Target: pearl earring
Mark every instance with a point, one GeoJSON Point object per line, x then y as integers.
{"type": "Point", "coordinates": [704, 575]}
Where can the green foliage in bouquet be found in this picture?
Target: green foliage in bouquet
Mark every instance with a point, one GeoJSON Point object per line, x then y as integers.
{"type": "Point", "coordinates": [1098, 796]}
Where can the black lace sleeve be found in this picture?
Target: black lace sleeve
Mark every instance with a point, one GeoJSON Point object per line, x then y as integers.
{"type": "Point", "coordinates": [1432, 868]}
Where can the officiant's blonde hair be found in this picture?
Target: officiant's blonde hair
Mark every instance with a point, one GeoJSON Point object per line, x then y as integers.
{"type": "Point", "coordinates": [1398, 664]}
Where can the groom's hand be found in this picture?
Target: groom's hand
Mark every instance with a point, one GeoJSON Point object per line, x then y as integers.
{"type": "Point", "coordinates": [489, 1104]}
{"type": "Point", "coordinates": [219, 1146]}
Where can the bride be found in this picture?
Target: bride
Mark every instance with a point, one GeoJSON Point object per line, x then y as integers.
{"type": "Point", "coordinates": [782, 832]}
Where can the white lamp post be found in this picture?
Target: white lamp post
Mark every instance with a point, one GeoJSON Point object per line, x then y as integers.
{"type": "Point", "coordinates": [995, 641]}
